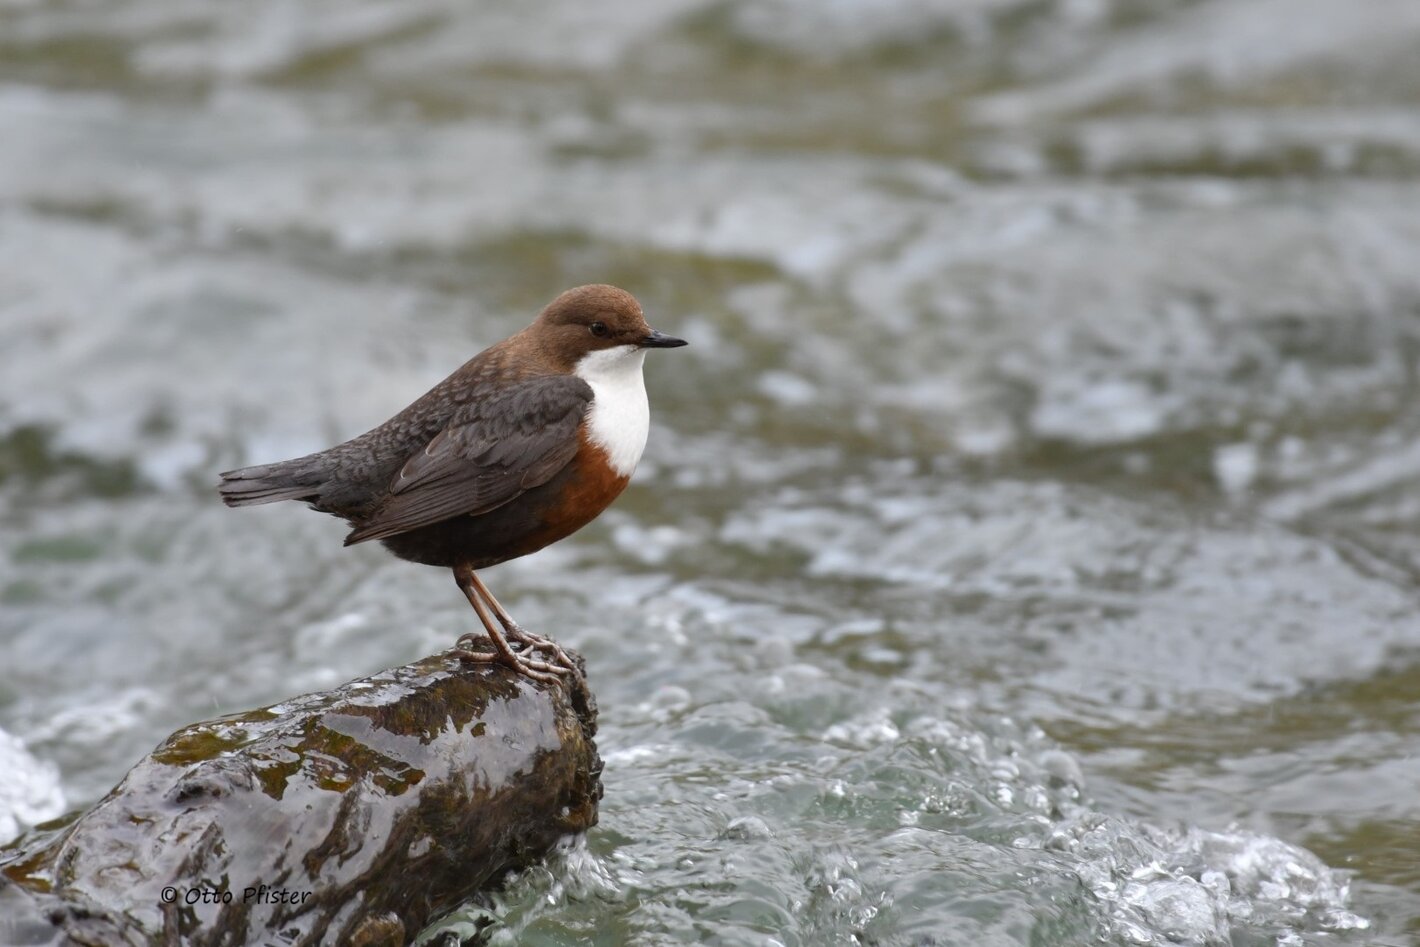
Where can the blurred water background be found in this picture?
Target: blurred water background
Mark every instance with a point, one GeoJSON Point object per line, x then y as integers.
{"type": "Point", "coordinates": [1025, 551]}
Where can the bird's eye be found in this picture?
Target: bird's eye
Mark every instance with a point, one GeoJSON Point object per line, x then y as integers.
{"type": "Point", "coordinates": [598, 329]}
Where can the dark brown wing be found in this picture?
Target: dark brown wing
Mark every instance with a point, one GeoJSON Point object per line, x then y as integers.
{"type": "Point", "coordinates": [494, 448]}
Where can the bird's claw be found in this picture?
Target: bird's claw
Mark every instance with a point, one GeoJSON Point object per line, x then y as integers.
{"type": "Point", "coordinates": [520, 660]}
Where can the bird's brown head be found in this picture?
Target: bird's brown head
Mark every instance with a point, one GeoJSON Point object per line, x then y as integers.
{"type": "Point", "coordinates": [591, 319]}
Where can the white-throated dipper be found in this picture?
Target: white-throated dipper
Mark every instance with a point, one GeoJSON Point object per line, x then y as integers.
{"type": "Point", "coordinates": [522, 446]}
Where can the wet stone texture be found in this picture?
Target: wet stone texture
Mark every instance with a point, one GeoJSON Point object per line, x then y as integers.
{"type": "Point", "coordinates": [350, 816]}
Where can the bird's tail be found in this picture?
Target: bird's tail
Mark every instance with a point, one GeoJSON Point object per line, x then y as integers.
{"type": "Point", "coordinates": [267, 483]}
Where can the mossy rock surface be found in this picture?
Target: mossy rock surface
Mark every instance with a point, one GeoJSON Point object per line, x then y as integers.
{"type": "Point", "coordinates": [365, 812]}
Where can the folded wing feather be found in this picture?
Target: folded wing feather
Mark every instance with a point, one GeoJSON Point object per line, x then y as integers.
{"type": "Point", "coordinates": [494, 448]}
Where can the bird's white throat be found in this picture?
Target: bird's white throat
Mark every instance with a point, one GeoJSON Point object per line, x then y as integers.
{"type": "Point", "coordinates": [620, 416]}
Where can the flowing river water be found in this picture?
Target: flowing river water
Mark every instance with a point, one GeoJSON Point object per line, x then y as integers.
{"type": "Point", "coordinates": [1026, 548]}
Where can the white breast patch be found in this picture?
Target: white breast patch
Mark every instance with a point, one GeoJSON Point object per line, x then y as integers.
{"type": "Point", "coordinates": [620, 416]}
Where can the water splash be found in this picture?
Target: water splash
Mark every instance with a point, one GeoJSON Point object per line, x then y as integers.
{"type": "Point", "coordinates": [30, 791]}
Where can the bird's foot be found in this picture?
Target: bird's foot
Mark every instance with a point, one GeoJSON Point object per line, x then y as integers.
{"type": "Point", "coordinates": [532, 641]}
{"type": "Point", "coordinates": [536, 670]}
{"type": "Point", "coordinates": [519, 660]}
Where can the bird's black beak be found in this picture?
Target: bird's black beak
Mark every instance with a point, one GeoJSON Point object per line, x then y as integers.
{"type": "Point", "coordinates": [659, 340]}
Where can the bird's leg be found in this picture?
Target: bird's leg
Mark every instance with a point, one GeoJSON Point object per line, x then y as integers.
{"type": "Point", "coordinates": [529, 667]}
{"type": "Point", "coordinates": [516, 632]}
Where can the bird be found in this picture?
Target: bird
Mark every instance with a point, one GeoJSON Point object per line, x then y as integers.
{"type": "Point", "coordinates": [523, 445]}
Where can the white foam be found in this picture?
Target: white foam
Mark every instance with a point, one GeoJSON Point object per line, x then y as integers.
{"type": "Point", "coordinates": [29, 788]}
{"type": "Point", "coordinates": [1194, 886]}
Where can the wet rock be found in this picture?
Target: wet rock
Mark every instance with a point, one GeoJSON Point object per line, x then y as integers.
{"type": "Point", "coordinates": [355, 815]}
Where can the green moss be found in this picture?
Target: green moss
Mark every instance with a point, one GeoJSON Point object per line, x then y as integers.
{"type": "Point", "coordinates": [196, 744]}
